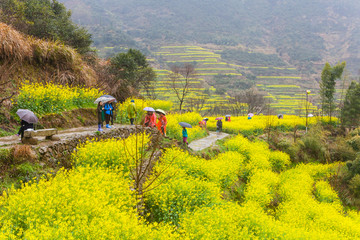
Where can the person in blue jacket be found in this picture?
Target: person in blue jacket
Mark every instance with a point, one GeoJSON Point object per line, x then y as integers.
{"type": "Point", "coordinates": [185, 136]}
{"type": "Point", "coordinates": [108, 108]}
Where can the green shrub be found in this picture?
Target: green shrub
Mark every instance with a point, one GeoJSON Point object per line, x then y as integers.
{"type": "Point", "coordinates": [354, 142]}
{"type": "Point", "coordinates": [354, 185]}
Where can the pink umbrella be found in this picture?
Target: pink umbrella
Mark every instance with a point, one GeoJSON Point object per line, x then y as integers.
{"type": "Point", "coordinates": [250, 115]}
{"type": "Point", "coordinates": [219, 118]}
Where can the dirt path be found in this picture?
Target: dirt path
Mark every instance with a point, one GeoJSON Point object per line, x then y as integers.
{"type": "Point", "coordinates": [208, 141]}
{"type": "Point", "coordinates": [63, 134]}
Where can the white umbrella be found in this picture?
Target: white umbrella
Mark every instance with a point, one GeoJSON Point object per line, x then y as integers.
{"type": "Point", "coordinates": [149, 109]}
{"type": "Point", "coordinates": [160, 111]}
{"type": "Point", "coordinates": [104, 99]}
{"type": "Point", "coordinates": [310, 115]}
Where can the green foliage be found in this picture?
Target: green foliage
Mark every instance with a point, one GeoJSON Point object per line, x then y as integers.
{"type": "Point", "coordinates": [354, 142]}
{"type": "Point", "coordinates": [354, 185]}
{"type": "Point", "coordinates": [131, 69]}
{"type": "Point", "coordinates": [47, 19]}
{"type": "Point", "coordinates": [350, 113]}
{"type": "Point", "coordinates": [329, 76]}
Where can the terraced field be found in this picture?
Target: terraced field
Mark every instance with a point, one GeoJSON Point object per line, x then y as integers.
{"type": "Point", "coordinates": [281, 83]}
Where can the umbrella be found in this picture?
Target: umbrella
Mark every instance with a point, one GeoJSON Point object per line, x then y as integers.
{"type": "Point", "coordinates": [205, 119]}
{"type": "Point", "coordinates": [228, 115]}
{"type": "Point", "coordinates": [280, 116]}
{"type": "Point", "coordinates": [160, 111]}
{"type": "Point", "coordinates": [184, 124]}
{"type": "Point", "coordinates": [109, 96]}
{"type": "Point", "coordinates": [219, 118]}
{"type": "Point", "coordinates": [250, 115]}
{"type": "Point", "coordinates": [104, 99]}
{"type": "Point", "coordinates": [149, 109]}
{"type": "Point", "coordinates": [27, 115]}
{"type": "Point", "coordinates": [310, 115]}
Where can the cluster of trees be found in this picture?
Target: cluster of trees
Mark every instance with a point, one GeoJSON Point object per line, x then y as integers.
{"type": "Point", "coordinates": [350, 109]}
{"type": "Point", "coordinates": [45, 19]}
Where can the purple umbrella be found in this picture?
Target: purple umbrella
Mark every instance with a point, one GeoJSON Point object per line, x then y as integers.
{"type": "Point", "coordinates": [184, 124]}
{"type": "Point", "coordinates": [219, 118]}
{"type": "Point", "coordinates": [27, 115]}
{"type": "Point", "coordinates": [250, 115]}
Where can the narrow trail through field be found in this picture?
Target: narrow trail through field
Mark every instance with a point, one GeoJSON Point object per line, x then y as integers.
{"type": "Point", "coordinates": [207, 142]}
{"type": "Point", "coordinates": [197, 145]}
{"type": "Point", "coordinates": [63, 134]}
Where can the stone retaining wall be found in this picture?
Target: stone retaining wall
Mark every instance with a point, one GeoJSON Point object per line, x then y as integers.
{"type": "Point", "coordinates": [60, 152]}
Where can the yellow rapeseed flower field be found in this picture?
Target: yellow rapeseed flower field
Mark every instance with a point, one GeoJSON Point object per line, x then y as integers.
{"type": "Point", "coordinates": [51, 98]}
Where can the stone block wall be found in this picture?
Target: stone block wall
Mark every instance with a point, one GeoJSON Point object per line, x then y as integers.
{"type": "Point", "coordinates": [60, 152]}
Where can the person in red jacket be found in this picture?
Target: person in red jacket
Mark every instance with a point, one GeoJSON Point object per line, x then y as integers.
{"type": "Point", "coordinates": [150, 119]}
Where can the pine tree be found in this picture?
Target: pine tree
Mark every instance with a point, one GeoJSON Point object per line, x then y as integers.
{"type": "Point", "coordinates": [350, 113]}
{"type": "Point", "coordinates": [329, 76]}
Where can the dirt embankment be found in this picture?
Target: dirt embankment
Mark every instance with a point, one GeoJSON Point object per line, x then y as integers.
{"type": "Point", "coordinates": [70, 119]}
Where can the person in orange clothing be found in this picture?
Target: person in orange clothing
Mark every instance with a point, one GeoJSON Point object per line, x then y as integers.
{"type": "Point", "coordinates": [150, 119]}
{"type": "Point", "coordinates": [161, 124]}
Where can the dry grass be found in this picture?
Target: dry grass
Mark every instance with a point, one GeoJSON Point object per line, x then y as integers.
{"type": "Point", "coordinates": [49, 60]}
{"type": "Point", "coordinates": [24, 153]}
{"type": "Point", "coordinates": [14, 45]}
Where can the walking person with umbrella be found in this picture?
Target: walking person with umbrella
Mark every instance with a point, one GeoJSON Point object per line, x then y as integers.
{"type": "Point", "coordinates": [184, 131]}
{"type": "Point", "coordinates": [219, 124]}
{"type": "Point", "coordinates": [150, 118]}
{"type": "Point", "coordinates": [100, 115]}
{"type": "Point", "coordinates": [28, 118]}
{"type": "Point", "coordinates": [108, 111]}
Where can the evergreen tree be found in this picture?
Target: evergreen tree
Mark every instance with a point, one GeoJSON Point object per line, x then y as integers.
{"type": "Point", "coordinates": [329, 76]}
{"type": "Point", "coordinates": [350, 113]}
{"type": "Point", "coordinates": [132, 70]}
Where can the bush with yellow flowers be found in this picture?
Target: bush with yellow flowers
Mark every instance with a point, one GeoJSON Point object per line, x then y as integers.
{"type": "Point", "coordinates": [173, 129]}
{"type": "Point", "coordinates": [178, 195]}
{"type": "Point", "coordinates": [258, 124]}
{"type": "Point", "coordinates": [112, 153]}
{"type": "Point", "coordinates": [83, 203]}
{"type": "Point", "coordinates": [51, 98]}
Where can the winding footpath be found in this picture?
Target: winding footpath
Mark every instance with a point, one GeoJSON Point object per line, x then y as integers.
{"type": "Point", "coordinates": [208, 141]}
{"type": "Point", "coordinates": [197, 145]}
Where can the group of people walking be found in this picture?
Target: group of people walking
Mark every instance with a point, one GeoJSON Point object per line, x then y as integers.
{"type": "Point", "coordinates": [105, 111]}
{"type": "Point", "coordinates": [150, 119]}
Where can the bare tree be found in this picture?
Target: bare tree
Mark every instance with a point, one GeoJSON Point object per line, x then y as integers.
{"type": "Point", "coordinates": [197, 104]}
{"type": "Point", "coordinates": [180, 81]}
{"type": "Point", "coordinates": [6, 91]}
{"type": "Point", "coordinates": [253, 98]}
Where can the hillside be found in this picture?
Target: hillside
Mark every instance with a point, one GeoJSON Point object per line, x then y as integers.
{"type": "Point", "coordinates": [299, 32]}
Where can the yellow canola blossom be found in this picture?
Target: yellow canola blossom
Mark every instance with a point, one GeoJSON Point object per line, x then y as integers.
{"type": "Point", "coordinates": [258, 124]}
{"type": "Point", "coordinates": [84, 203]}
{"type": "Point", "coordinates": [118, 154]}
{"type": "Point", "coordinates": [51, 98]}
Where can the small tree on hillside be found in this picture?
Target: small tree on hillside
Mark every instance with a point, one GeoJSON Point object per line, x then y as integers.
{"type": "Point", "coordinates": [131, 72]}
{"type": "Point", "coordinates": [329, 76]}
{"type": "Point", "coordinates": [253, 98]}
{"type": "Point", "coordinates": [350, 113]}
{"type": "Point", "coordinates": [180, 81]}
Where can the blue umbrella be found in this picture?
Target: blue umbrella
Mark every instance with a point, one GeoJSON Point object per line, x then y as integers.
{"type": "Point", "coordinates": [184, 124]}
